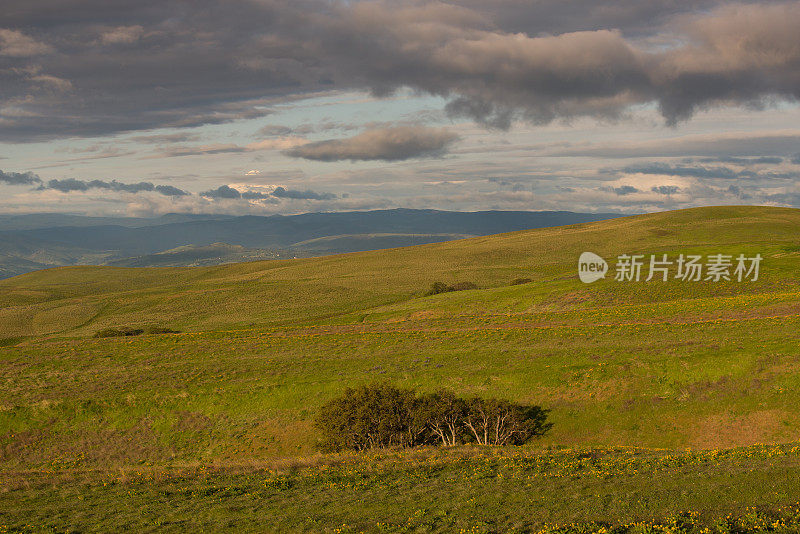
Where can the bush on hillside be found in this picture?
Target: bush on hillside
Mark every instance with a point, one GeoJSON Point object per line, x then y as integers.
{"type": "Point", "coordinates": [122, 331]}
{"type": "Point", "coordinates": [463, 286]}
{"type": "Point", "coordinates": [441, 287]}
{"type": "Point", "coordinates": [119, 332]}
{"type": "Point", "coordinates": [382, 416]}
{"type": "Point", "coordinates": [519, 281]}
{"type": "Point", "coordinates": [160, 330]}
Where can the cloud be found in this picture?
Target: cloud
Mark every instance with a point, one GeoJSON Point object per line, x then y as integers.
{"type": "Point", "coordinates": [682, 170]}
{"type": "Point", "coordinates": [122, 35]}
{"type": "Point", "coordinates": [385, 144]}
{"type": "Point", "coordinates": [165, 138]}
{"type": "Point", "coordinates": [495, 62]}
{"type": "Point", "coordinates": [738, 192]}
{"type": "Point", "coordinates": [222, 191]}
{"type": "Point", "coordinates": [257, 193]}
{"type": "Point", "coordinates": [19, 178]}
{"type": "Point", "coordinates": [280, 192]}
{"type": "Point", "coordinates": [180, 151]}
{"type": "Point", "coordinates": [665, 189]}
{"type": "Point", "coordinates": [699, 171]}
{"type": "Point", "coordinates": [281, 143]}
{"type": "Point", "coordinates": [170, 191]}
{"type": "Point", "coordinates": [16, 44]}
{"type": "Point", "coordinates": [274, 130]}
{"type": "Point", "coordinates": [763, 160]}
{"type": "Point", "coordinates": [756, 144]}
{"type": "Point", "coordinates": [69, 185]}
{"type": "Point", "coordinates": [790, 199]}
{"type": "Point", "coordinates": [737, 53]}
{"type": "Point", "coordinates": [625, 190]}
{"type": "Point", "coordinates": [740, 55]}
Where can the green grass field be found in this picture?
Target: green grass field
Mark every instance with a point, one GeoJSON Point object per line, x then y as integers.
{"type": "Point", "coordinates": [230, 400]}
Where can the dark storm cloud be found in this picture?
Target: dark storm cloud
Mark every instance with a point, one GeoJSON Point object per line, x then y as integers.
{"type": "Point", "coordinates": [387, 144]}
{"type": "Point", "coordinates": [116, 66]}
{"type": "Point", "coordinates": [634, 17]}
{"type": "Point", "coordinates": [69, 185]}
{"type": "Point", "coordinates": [19, 178]}
{"type": "Point", "coordinates": [86, 67]}
{"type": "Point", "coordinates": [732, 54]}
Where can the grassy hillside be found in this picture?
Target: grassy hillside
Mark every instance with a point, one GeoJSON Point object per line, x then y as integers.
{"type": "Point", "coordinates": [265, 343]}
{"type": "Point", "coordinates": [317, 289]}
{"type": "Point", "coordinates": [663, 365]}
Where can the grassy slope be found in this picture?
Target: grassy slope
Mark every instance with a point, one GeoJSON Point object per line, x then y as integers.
{"type": "Point", "coordinates": [650, 364]}
{"type": "Point", "coordinates": [285, 292]}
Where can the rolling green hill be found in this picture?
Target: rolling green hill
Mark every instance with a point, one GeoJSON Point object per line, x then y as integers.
{"type": "Point", "coordinates": [649, 364]}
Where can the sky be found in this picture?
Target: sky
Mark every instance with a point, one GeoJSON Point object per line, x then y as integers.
{"type": "Point", "coordinates": [146, 107]}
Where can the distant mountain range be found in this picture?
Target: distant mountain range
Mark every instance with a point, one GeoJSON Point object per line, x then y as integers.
{"type": "Point", "coordinates": [38, 241]}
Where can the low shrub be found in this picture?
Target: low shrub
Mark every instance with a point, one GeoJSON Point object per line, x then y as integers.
{"type": "Point", "coordinates": [119, 332]}
{"type": "Point", "coordinates": [463, 286]}
{"type": "Point", "coordinates": [520, 281]}
{"type": "Point", "coordinates": [441, 287]}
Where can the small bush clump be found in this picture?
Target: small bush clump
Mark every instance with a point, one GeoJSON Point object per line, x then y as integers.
{"type": "Point", "coordinates": [160, 330]}
{"type": "Point", "coordinates": [520, 281]}
{"type": "Point", "coordinates": [121, 331]}
{"type": "Point", "coordinates": [381, 416]}
{"type": "Point", "coordinates": [441, 287]}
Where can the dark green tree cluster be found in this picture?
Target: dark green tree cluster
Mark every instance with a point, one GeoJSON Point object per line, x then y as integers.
{"type": "Point", "coordinates": [381, 415]}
